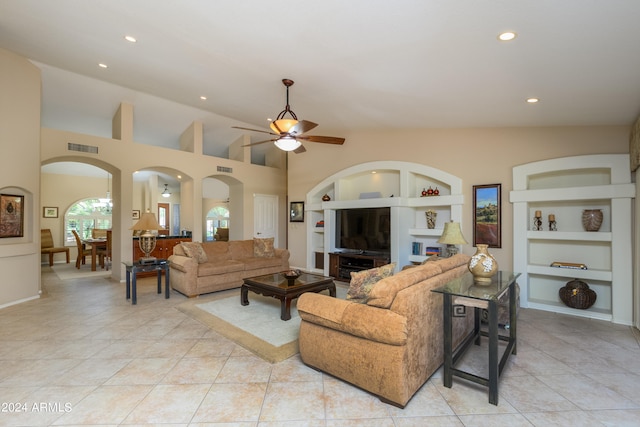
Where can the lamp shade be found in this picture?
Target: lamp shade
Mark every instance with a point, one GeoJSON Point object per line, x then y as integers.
{"type": "Point", "coordinates": [286, 143]}
{"type": "Point", "coordinates": [452, 235]}
{"type": "Point", "coordinates": [147, 222]}
{"type": "Point", "coordinates": [283, 125]}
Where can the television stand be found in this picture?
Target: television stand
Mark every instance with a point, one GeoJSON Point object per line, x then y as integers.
{"type": "Point", "coordinates": [341, 264]}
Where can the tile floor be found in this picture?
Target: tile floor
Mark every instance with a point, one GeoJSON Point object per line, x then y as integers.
{"type": "Point", "coordinates": [82, 355]}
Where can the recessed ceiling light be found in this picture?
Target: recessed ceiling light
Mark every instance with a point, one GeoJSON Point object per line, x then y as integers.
{"type": "Point", "coordinates": [204, 98]}
{"type": "Point", "coordinates": [507, 36]}
{"type": "Point", "coordinates": [130, 39]}
{"type": "Point", "coordinates": [101, 65]}
{"type": "Point", "coordinates": [533, 100]}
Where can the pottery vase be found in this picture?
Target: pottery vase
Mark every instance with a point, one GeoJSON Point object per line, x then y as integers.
{"type": "Point", "coordinates": [431, 219]}
{"type": "Point", "coordinates": [592, 219]}
{"type": "Point", "coordinates": [326, 198]}
{"type": "Point", "coordinates": [483, 265]}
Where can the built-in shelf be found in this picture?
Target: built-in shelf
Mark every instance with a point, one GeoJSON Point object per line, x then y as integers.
{"type": "Point", "coordinates": [418, 258]}
{"type": "Point", "coordinates": [565, 187]}
{"type": "Point", "coordinates": [568, 235]}
{"type": "Point", "coordinates": [433, 232]}
{"type": "Point", "coordinates": [399, 185]}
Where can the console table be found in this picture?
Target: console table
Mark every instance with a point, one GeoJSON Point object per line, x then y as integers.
{"type": "Point", "coordinates": [133, 268]}
{"type": "Point", "coordinates": [341, 264]}
{"type": "Point", "coordinates": [463, 291]}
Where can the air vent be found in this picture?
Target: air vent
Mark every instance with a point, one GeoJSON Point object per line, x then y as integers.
{"type": "Point", "coordinates": [82, 148]}
{"type": "Point", "coordinates": [225, 169]}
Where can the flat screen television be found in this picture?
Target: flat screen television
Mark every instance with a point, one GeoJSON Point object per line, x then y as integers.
{"type": "Point", "coordinates": [364, 229]}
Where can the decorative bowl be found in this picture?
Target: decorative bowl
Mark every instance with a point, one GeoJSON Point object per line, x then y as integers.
{"type": "Point", "coordinates": [291, 276]}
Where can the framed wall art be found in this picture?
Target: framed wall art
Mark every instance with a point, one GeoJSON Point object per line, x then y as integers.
{"type": "Point", "coordinates": [135, 214]}
{"type": "Point", "coordinates": [296, 212]}
{"type": "Point", "coordinates": [11, 215]}
{"type": "Point", "coordinates": [487, 221]}
{"type": "Point", "coordinates": [49, 212]}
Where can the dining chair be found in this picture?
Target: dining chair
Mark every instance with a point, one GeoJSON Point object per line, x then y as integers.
{"type": "Point", "coordinates": [105, 253]}
{"type": "Point", "coordinates": [47, 248]}
{"type": "Point", "coordinates": [82, 250]}
{"type": "Point", "coordinates": [99, 233]}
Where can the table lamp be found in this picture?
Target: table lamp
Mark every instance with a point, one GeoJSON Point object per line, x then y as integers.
{"type": "Point", "coordinates": [147, 240]}
{"type": "Point", "coordinates": [451, 236]}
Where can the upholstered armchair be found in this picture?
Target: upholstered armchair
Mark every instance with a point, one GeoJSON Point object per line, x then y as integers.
{"type": "Point", "coordinates": [222, 234]}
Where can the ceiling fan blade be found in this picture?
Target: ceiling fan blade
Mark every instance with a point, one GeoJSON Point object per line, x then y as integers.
{"type": "Point", "coordinates": [322, 139]}
{"type": "Point", "coordinates": [300, 149]}
{"type": "Point", "coordinates": [302, 127]}
{"type": "Point", "coordinates": [257, 143]}
{"type": "Point", "coordinates": [254, 130]}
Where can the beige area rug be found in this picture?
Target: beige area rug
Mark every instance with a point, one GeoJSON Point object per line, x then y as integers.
{"type": "Point", "coordinates": [69, 271]}
{"type": "Point", "coordinates": [256, 327]}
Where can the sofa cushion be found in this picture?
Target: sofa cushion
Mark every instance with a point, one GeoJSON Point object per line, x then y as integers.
{"type": "Point", "coordinates": [263, 248]}
{"type": "Point", "coordinates": [240, 249]}
{"type": "Point", "coordinates": [360, 320]}
{"type": "Point", "coordinates": [385, 291]}
{"type": "Point", "coordinates": [256, 263]}
{"type": "Point", "coordinates": [362, 282]}
{"type": "Point", "coordinates": [194, 250]}
{"type": "Point", "coordinates": [217, 251]}
{"type": "Point", "coordinates": [219, 267]}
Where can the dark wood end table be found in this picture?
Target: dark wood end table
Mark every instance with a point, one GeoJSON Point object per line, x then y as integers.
{"type": "Point", "coordinates": [133, 268]}
{"type": "Point", "coordinates": [277, 286]}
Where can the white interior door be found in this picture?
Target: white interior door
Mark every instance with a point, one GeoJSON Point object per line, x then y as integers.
{"type": "Point", "coordinates": [265, 216]}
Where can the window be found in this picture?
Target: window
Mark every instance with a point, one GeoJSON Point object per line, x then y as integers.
{"type": "Point", "coordinates": [216, 217]}
{"type": "Point", "coordinates": [85, 215]}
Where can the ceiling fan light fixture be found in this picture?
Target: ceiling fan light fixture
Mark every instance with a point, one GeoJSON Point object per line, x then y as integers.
{"type": "Point", "coordinates": [166, 193]}
{"type": "Point", "coordinates": [287, 143]}
{"type": "Point", "coordinates": [283, 125]}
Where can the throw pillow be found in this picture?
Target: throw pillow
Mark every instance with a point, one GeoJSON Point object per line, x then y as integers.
{"type": "Point", "coordinates": [263, 248]}
{"type": "Point", "coordinates": [362, 282]}
{"type": "Point", "coordinates": [194, 250]}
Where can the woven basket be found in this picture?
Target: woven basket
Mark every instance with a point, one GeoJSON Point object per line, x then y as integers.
{"type": "Point", "coordinates": [576, 294]}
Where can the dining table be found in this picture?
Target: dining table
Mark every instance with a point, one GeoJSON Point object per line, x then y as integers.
{"type": "Point", "coordinates": [95, 245]}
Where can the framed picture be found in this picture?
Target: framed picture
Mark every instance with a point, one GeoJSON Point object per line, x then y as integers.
{"type": "Point", "coordinates": [296, 212]}
{"type": "Point", "coordinates": [49, 212]}
{"type": "Point", "coordinates": [11, 215]}
{"type": "Point", "coordinates": [487, 221]}
{"type": "Point", "coordinates": [135, 214]}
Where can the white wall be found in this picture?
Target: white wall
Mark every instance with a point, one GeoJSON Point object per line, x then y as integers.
{"type": "Point", "coordinates": [477, 156]}
{"type": "Point", "coordinates": [20, 174]}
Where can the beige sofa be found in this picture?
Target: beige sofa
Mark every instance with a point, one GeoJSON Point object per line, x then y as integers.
{"type": "Point", "coordinates": [391, 345]}
{"type": "Point", "coordinates": [223, 266]}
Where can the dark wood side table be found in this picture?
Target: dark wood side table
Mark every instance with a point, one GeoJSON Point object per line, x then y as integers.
{"type": "Point", "coordinates": [133, 268]}
{"type": "Point", "coordinates": [463, 291]}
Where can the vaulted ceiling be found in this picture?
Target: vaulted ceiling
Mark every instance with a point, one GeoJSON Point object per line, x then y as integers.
{"type": "Point", "coordinates": [357, 64]}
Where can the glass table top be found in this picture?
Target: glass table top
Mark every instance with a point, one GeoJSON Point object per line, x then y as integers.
{"type": "Point", "coordinates": [279, 280]}
{"type": "Point", "coordinates": [465, 286]}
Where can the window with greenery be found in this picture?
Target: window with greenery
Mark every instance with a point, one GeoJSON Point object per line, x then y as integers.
{"type": "Point", "coordinates": [84, 216]}
{"type": "Point", "coordinates": [216, 217]}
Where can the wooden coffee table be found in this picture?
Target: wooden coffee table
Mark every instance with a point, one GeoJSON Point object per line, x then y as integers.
{"type": "Point", "coordinates": [276, 285]}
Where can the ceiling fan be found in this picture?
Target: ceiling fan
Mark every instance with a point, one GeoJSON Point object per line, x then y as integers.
{"type": "Point", "coordinates": [288, 134]}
